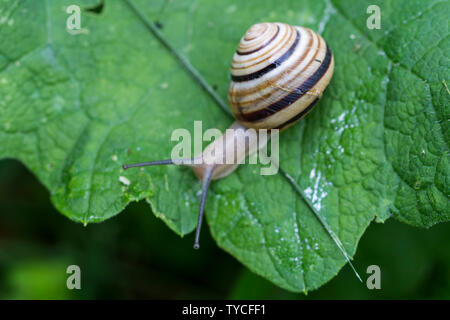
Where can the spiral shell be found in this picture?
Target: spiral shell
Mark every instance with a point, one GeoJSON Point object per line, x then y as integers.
{"type": "Point", "coordinates": [278, 73]}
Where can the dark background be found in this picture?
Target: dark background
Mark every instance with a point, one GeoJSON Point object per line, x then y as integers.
{"type": "Point", "coordinates": [134, 255]}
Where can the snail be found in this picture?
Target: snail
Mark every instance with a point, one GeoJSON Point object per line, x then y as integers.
{"type": "Point", "coordinates": [278, 73]}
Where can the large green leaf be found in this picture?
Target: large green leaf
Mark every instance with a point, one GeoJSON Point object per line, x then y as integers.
{"type": "Point", "coordinates": [73, 108]}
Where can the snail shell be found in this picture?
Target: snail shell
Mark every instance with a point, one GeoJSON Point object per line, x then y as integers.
{"type": "Point", "coordinates": [278, 73]}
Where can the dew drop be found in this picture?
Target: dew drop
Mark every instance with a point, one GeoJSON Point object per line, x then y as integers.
{"type": "Point", "coordinates": [124, 180]}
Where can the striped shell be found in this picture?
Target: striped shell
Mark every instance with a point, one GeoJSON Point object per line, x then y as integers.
{"type": "Point", "coordinates": [278, 73]}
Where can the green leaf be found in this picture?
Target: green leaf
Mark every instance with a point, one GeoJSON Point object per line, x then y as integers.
{"type": "Point", "coordinates": [73, 108]}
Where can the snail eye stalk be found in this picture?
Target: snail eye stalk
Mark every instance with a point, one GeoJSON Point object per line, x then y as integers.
{"type": "Point", "coordinates": [206, 182]}
{"type": "Point", "coordinates": [148, 163]}
{"type": "Point", "coordinates": [205, 186]}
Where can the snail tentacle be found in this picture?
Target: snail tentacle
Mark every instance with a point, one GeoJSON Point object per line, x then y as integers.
{"type": "Point", "coordinates": [205, 187]}
{"type": "Point", "coordinates": [185, 162]}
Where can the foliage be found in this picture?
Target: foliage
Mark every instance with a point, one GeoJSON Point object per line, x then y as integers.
{"type": "Point", "coordinates": [76, 107]}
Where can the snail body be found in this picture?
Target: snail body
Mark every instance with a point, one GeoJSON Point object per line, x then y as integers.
{"type": "Point", "coordinates": [278, 73]}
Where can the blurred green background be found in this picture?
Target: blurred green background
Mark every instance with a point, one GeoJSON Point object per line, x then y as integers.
{"type": "Point", "coordinates": [134, 255]}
